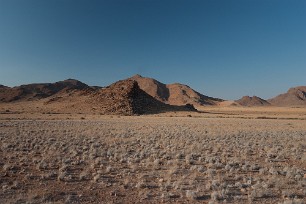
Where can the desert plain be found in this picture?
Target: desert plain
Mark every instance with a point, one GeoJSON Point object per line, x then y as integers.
{"type": "Point", "coordinates": [217, 155]}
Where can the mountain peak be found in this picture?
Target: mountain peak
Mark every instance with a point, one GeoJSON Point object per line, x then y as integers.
{"type": "Point", "coordinates": [174, 94]}
{"type": "Point", "coordinates": [70, 79]}
{"type": "Point", "coordinates": [136, 76]}
{"type": "Point", "coordinates": [252, 101]}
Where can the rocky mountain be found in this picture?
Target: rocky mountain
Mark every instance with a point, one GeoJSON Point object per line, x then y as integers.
{"type": "Point", "coordinates": [294, 97]}
{"type": "Point", "coordinates": [174, 94]}
{"type": "Point", "coordinates": [38, 91]}
{"type": "Point", "coordinates": [125, 97]}
{"type": "Point", "coordinates": [120, 98]}
{"type": "Point", "coordinates": [252, 101]}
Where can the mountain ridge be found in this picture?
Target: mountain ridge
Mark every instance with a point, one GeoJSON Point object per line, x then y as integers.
{"type": "Point", "coordinates": [123, 97]}
{"type": "Point", "coordinates": [295, 96]}
{"type": "Point", "coordinates": [36, 91]}
{"type": "Point", "coordinates": [175, 93]}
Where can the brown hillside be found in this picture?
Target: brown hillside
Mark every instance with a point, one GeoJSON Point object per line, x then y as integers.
{"type": "Point", "coordinates": [294, 97]}
{"type": "Point", "coordinates": [252, 101]}
{"type": "Point", "coordinates": [174, 94]}
{"type": "Point", "coordinates": [39, 91]}
{"type": "Point", "coordinates": [71, 96]}
{"type": "Point", "coordinates": [153, 87]}
{"type": "Point", "coordinates": [125, 97]}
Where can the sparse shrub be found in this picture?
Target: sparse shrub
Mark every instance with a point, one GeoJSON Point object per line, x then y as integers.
{"type": "Point", "coordinates": [96, 178]}
{"type": "Point", "coordinates": [48, 176]}
{"type": "Point", "coordinates": [109, 169]}
{"type": "Point", "coordinates": [211, 172]}
{"type": "Point", "coordinates": [7, 167]}
{"type": "Point", "coordinates": [42, 165]}
{"type": "Point", "coordinates": [174, 160]}
{"type": "Point", "coordinates": [62, 176]}
{"type": "Point", "coordinates": [273, 171]}
{"type": "Point", "coordinates": [192, 195]}
{"type": "Point", "coordinates": [260, 193]}
{"type": "Point", "coordinates": [263, 171]}
{"type": "Point", "coordinates": [84, 175]}
{"type": "Point", "coordinates": [201, 169]}
{"type": "Point", "coordinates": [294, 201]}
{"type": "Point", "coordinates": [141, 184]}
{"type": "Point", "coordinates": [215, 196]}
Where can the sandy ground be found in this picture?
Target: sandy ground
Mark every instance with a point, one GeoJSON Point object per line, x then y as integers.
{"type": "Point", "coordinates": [220, 155]}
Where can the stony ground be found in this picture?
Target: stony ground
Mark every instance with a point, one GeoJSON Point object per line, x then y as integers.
{"type": "Point", "coordinates": [145, 159]}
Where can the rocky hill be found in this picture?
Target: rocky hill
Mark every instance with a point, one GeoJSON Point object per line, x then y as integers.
{"type": "Point", "coordinates": [72, 96]}
{"type": "Point", "coordinates": [125, 97]}
{"type": "Point", "coordinates": [39, 91]}
{"type": "Point", "coordinates": [252, 101]}
{"type": "Point", "coordinates": [294, 97]}
{"type": "Point", "coordinates": [174, 94]}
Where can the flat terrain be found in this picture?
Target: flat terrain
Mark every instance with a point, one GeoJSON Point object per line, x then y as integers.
{"type": "Point", "coordinates": [220, 155]}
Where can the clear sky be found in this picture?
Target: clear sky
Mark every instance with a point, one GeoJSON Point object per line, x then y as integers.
{"type": "Point", "coordinates": [221, 48]}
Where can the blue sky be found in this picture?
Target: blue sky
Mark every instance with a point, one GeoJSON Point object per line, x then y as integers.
{"type": "Point", "coordinates": [221, 48]}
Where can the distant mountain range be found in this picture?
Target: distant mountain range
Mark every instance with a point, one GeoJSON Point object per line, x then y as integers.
{"type": "Point", "coordinates": [39, 91]}
{"type": "Point", "coordinates": [294, 97]}
{"type": "Point", "coordinates": [135, 95]}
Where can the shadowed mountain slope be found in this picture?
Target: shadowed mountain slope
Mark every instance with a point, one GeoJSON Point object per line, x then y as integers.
{"type": "Point", "coordinates": [174, 94]}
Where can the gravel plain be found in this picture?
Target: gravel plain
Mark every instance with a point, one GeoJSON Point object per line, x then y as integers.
{"type": "Point", "coordinates": [143, 159]}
